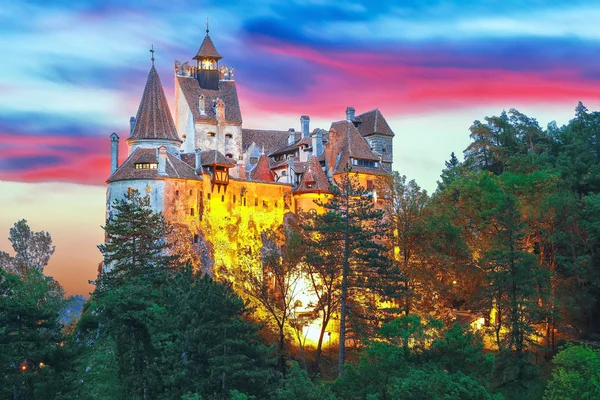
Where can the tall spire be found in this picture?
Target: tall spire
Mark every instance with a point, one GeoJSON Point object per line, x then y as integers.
{"type": "Point", "coordinates": [207, 49]}
{"type": "Point", "coordinates": [154, 120]}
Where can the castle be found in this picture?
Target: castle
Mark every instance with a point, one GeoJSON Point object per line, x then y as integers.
{"type": "Point", "coordinates": [225, 184]}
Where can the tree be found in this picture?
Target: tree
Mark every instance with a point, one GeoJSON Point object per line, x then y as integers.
{"type": "Point", "coordinates": [30, 335]}
{"type": "Point", "coordinates": [576, 374]}
{"type": "Point", "coordinates": [271, 280]}
{"type": "Point", "coordinates": [353, 228]}
{"type": "Point", "coordinates": [210, 348]}
{"type": "Point", "coordinates": [135, 242]}
{"type": "Point", "coordinates": [128, 292]}
{"type": "Point", "coordinates": [401, 364]}
{"type": "Point", "coordinates": [32, 249]}
{"type": "Point", "coordinates": [405, 209]}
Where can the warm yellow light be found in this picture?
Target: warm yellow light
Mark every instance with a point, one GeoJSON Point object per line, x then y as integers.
{"type": "Point", "coordinates": [23, 367]}
{"type": "Point", "coordinates": [42, 365]}
{"type": "Point", "coordinates": [454, 282]}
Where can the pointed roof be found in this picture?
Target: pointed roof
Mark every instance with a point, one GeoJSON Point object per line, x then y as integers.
{"type": "Point", "coordinates": [373, 123]}
{"type": "Point", "coordinates": [207, 49]}
{"type": "Point", "coordinates": [154, 120]}
{"type": "Point", "coordinates": [314, 179]}
{"type": "Point", "coordinates": [352, 145]}
{"type": "Point", "coordinates": [262, 171]}
{"type": "Point", "coordinates": [175, 168]}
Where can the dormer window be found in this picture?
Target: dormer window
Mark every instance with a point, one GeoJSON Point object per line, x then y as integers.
{"type": "Point", "coordinates": [253, 160]}
{"type": "Point", "coordinates": [202, 104]}
{"type": "Point", "coordinates": [229, 135]}
{"type": "Point", "coordinates": [211, 134]}
{"type": "Point", "coordinates": [146, 165]}
{"type": "Point", "coordinates": [229, 155]}
{"type": "Point", "coordinates": [365, 163]}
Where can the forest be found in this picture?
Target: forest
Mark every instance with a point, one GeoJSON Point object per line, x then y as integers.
{"type": "Point", "coordinates": [487, 288]}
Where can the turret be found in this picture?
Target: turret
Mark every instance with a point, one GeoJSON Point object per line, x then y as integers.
{"type": "Point", "coordinates": [207, 62]}
{"type": "Point", "coordinates": [114, 152]}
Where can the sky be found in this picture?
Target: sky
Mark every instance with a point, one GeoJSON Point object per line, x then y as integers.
{"type": "Point", "coordinates": [71, 73]}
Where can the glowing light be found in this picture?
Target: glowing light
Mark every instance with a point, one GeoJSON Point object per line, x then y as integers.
{"type": "Point", "coordinates": [24, 367]}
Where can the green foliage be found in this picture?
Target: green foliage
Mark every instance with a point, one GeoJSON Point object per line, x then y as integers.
{"type": "Point", "coordinates": [31, 358]}
{"type": "Point", "coordinates": [298, 386]}
{"type": "Point", "coordinates": [576, 374]}
{"type": "Point", "coordinates": [417, 360]}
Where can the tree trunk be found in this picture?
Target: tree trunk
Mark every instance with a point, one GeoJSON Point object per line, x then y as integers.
{"type": "Point", "coordinates": [320, 343]}
{"type": "Point", "coordinates": [344, 294]}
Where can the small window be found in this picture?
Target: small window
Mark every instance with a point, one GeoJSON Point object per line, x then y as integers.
{"type": "Point", "coordinates": [130, 190]}
{"type": "Point", "coordinates": [369, 185]}
{"type": "Point", "coordinates": [192, 211]}
{"type": "Point", "coordinates": [309, 185]}
{"type": "Point", "coordinates": [244, 201]}
{"type": "Point", "coordinates": [148, 189]}
{"type": "Point", "coordinates": [196, 238]}
{"type": "Point", "coordinates": [191, 192]}
{"type": "Point", "coordinates": [229, 136]}
{"type": "Point", "coordinates": [383, 150]}
{"type": "Point", "coordinates": [177, 193]}
{"type": "Point", "coordinates": [284, 173]}
{"type": "Point", "coordinates": [312, 211]}
{"type": "Point", "coordinates": [234, 199]}
{"type": "Point", "coordinates": [146, 165]}
{"type": "Point", "coordinates": [208, 196]}
{"type": "Point", "coordinates": [229, 155]}
{"type": "Point", "coordinates": [211, 134]}
{"type": "Point", "coordinates": [275, 203]}
{"type": "Point", "coordinates": [253, 160]}
{"type": "Point", "coordinates": [222, 198]}
{"type": "Point", "coordinates": [256, 202]}
{"type": "Point", "coordinates": [265, 204]}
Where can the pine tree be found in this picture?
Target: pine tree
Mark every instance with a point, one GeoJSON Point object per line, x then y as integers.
{"type": "Point", "coordinates": [135, 242]}
{"type": "Point", "coordinates": [353, 228]}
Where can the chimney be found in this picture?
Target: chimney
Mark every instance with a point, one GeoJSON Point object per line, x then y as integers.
{"type": "Point", "coordinates": [292, 172]}
{"type": "Point", "coordinates": [198, 161]}
{"type": "Point", "coordinates": [162, 160]}
{"type": "Point", "coordinates": [317, 142]}
{"type": "Point", "coordinates": [202, 104]}
{"type": "Point", "coordinates": [305, 123]}
{"type": "Point", "coordinates": [350, 113]}
{"type": "Point", "coordinates": [131, 125]}
{"type": "Point", "coordinates": [220, 110]}
{"type": "Point", "coordinates": [291, 136]}
{"type": "Point", "coordinates": [114, 152]}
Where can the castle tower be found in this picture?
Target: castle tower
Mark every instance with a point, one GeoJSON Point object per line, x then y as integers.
{"type": "Point", "coordinates": [153, 150]}
{"type": "Point", "coordinates": [207, 64]}
{"type": "Point", "coordinates": [153, 125]}
{"type": "Point", "coordinates": [207, 108]}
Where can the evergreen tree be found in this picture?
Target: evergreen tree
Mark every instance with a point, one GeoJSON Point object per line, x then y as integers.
{"type": "Point", "coordinates": [353, 228]}
{"type": "Point", "coordinates": [135, 242]}
{"type": "Point", "coordinates": [31, 359]}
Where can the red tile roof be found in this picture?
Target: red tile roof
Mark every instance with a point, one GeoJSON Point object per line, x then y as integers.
{"type": "Point", "coordinates": [154, 120]}
{"type": "Point", "coordinates": [213, 157]}
{"type": "Point", "coordinates": [373, 122]}
{"type": "Point", "coordinates": [270, 140]}
{"type": "Point", "coordinates": [227, 92]}
{"type": "Point", "coordinates": [291, 148]}
{"type": "Point", "coordinates": [314, 179]}
{"type": "Point", "coordinates": [262, 172]}
{"type": "Point", "coordinates": [175, 168]}
{"type": "Point", "coordinates": [207, 50]}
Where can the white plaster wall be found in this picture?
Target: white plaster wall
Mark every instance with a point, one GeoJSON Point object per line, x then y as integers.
{"type": "Point", "coordinates": [156, 191]}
